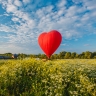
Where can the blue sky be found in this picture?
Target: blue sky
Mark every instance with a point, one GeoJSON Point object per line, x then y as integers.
{"type": "Point", "coordinates": [22, 21]}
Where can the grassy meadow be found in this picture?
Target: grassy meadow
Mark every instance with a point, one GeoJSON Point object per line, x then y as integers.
{"type": "Point", "coordinates": [68, 77]}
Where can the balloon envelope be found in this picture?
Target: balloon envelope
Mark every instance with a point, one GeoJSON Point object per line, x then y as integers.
{"type": "Point", "coordinates": [49, 42]}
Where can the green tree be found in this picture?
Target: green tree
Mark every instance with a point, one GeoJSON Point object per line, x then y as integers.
{"type": "Point", "coordinates": [62, 54]}
{"type": "Point", "coordinates": [82, 55]}
{"type": "Point", "coordinates": [67, 55]}
{"type": "Point", "coordinates": [94, 55]}
{"type": "Point", "coordinates": [73, 55]}
{"type": "Point", "coordinates": [77, 55]}
{"type": "Point", "coordinates": [32, 56]}
{"type": "Point", "coordinates": [39, 55]}
{"type": "Point", "coordinates": [22, 56]}
{"type": "Point", "coordinates": [88, 55]}
{"type": "Point", "coordinates": [43, 56]}
{"type": "Point", "coordinates": [8, 54]}
{"type": "Point", "coordinates": [55, 56]}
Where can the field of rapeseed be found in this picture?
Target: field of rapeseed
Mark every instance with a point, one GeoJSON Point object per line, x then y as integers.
{"type": "Point", "coordinates": [32, 77]}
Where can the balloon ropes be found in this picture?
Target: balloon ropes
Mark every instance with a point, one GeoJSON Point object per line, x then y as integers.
{"type": "Point", "coordinates": [49, 42]}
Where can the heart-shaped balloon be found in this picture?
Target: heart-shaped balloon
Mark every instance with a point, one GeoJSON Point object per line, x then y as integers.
{"type": "Point", "coordinates": [49, 42]}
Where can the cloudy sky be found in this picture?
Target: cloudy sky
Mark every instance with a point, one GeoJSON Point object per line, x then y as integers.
{"type": "Point", "coordinates": [22, 21]}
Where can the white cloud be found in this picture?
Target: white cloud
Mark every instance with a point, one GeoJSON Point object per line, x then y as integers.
{"type": "Point", "coordinates": [71, 33]}
{"type": "Point", "coordinates": [15, 19]}
{"type": "Point", "coordinates": [9, 1]}
{"type": "Point", "coordinates": [85, 17]}
{"type": "Point", "coordinates": [11, 8]}
{"type": "Point", "coordinates": [17, 3]}
{"type": "Point", "coordinates": [86, 44]}
{"type": "Point", "coordinates": [77, 1]}
{"type": "Point", "coordinates": [61, 3]}
{"type": "Point", "coordinates": [62, 11]}
{"type": "Point", "coordinates": [71, 11]}
{"type": "Point", "coordinates": [90, 4]}
{"type": "Point", "coordinates": [64, 44]}
{"type": "Point", "coordinates": [10, 47]}
{"type": "Point", "coordinates": [26, 1]}
{"type": "Point", "coordinates": [4, 28]}
{"type": "Point", "coordinates": [75, 39]}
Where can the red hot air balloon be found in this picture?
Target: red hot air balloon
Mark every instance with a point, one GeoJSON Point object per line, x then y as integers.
{"type": "Point", "coordinates": [49, 42]}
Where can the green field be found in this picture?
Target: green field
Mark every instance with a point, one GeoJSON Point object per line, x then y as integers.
{"type": "Point", "coordinates": [68, 77]}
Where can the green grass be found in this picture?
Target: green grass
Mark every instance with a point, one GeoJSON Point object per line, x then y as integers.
{"type": "Point", "coordinates": [51, 78]}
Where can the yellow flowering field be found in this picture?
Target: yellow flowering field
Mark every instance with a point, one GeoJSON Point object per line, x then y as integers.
{"type": "Point", "coordinates": [68, 77]}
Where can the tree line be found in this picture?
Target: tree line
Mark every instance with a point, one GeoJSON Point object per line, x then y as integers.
{"type": "Point", "coordinates": [61, 55]}
{"type": "Point", "coordinates": [71, 55]}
